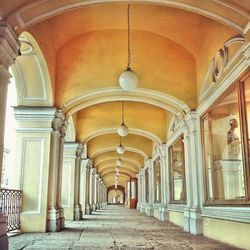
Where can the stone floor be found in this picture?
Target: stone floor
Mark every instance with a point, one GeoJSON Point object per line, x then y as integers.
{"type": "Point", "coordinates": [116, 227]}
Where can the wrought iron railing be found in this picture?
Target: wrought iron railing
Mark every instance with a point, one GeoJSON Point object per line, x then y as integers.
{"type": "Point", "coordinates": [10, 205]}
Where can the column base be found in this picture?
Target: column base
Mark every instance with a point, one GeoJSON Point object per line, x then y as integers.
{"type": "Point", "coordinates": [192, 221]}
{"type": "Point", "coordinates": [3, 232]}
{"type": "Point", "coordinates": [149, 210]}
{"type": "Point", "coordinates": [62, 219]}
{"type": "Point", "coordinates": [88, 209]}
{"type": "Point", "coordinates": [77, 212]}
{"type": "Point", "coordinates": [138, 206]}
{"type": "Point", "coordinates": [164, 214]}
{"type": "Point", "coordinates": [54, 222]}
{"type": "Point", "coordinates": [93, 207]}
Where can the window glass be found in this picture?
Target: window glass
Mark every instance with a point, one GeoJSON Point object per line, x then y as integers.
{"type": "Point", "coordinates": [222, 145]}
{"type": "Point", "coordinates": [177, 171]}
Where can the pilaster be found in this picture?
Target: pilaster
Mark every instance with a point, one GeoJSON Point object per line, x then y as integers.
{"type": "Point", "coordinates": [86, 166]}
{"type": "Point", "coordinates": [92, 189]}
{"type": "Point", "coordinates": [77, 207]}
{"type": "Point", "coordinates": [33, 155]}
{"type": "Point", "coordinates": [192, 211]}
{"type": "Point", "coordinates": [55, 219]}
{"type": "Point", "coordinates": [68, 179]}
{"type": "Point", "coordinates": [164, 213]}
{"type": "Point", "coordinates": [149, 206]}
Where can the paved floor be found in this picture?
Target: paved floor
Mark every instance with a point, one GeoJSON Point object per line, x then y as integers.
{"type": "Point", "coordinates": [116, 227]}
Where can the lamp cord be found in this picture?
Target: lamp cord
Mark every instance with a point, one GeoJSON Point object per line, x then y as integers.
{"type": "Point", "coordinates": [129, 49]}
{"type": "Point", "coordinates": [122, 112]}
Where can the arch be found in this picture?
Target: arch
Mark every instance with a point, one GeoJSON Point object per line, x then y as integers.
{"type": "Point", "coordinates": [112, 162]}
{"type": "Point", "coordinates": [155, 98]}
{"type": "Point", "coordinates": [222, 12]}
{"type": "Point", "coordinates": [131, 157]}
{"type": "Point", "coordinates": [110, 169]}
{"type": "Point", "coordinates": [32, 76]}
{"type": "Point", "coordinates": [134, 131]}
{"type": "Point", "coordinates": [134, 150]}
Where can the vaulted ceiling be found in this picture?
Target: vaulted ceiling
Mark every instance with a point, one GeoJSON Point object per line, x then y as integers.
{"type": "Point", "coordinates": [84, 45]}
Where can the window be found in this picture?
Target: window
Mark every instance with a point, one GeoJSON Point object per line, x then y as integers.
{"type": "Point", "coordinates": [225, 130]}
{"type": "Point", "coordinates": [147, 185]}
{"type": "Point", "coordinates": [157, 181]}
{"type": "Point", "coordinates": [177, 172]}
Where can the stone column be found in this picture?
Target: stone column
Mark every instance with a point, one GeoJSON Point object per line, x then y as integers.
{"type": "Point", "coordinates": [87, 164]}
{"type": "Point", "coordinates": [139, 191]}
{"type": "Point", "coordinates": [96, 200]}
{"type": "Point", "coordinates": [150, 207]}
{"type": "Point", "coordinates": [68, 179]}
{"type": "Point", "coordinates": [63, 130]}
{"type": "Point", "coordinates": [82, 188]}
{"type": "Point", "coordinates": [101, 193]}
{"type": "Point", "coordinates": [77, 207]}
{"type": "Point", "coordinates": [92, 189]}
{"type": "Point", "coordinates": [164, 213]}
{"type": "Point", "coordinates": [192, 211]}
{"type": "Point", "coordinates": [143, 191]}
{"type": "Point", "coordinates": [55, 220]}
{"type": "Point", "coordinates": [9, 48]}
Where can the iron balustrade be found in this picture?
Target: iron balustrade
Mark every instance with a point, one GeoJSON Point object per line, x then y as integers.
{"type": "Point", "coordinates": [10, 205]}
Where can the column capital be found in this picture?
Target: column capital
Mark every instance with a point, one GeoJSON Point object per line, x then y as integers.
{"type": "Point", "coordinates": [93, 171]}
{"type": "Point", "coordinates": [191, 121]}
{"type": "Point", "coordinates": [9, 45]}
{"type": "Point", "coordinates": [79, 150]}
{"type": "Point", "coordinates": [86, 163]}
{"type": "Point", "coordinates": [58, 123]}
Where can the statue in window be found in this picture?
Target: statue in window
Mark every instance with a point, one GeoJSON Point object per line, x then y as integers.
{"type": "Point", "coordinates": [233, 140]}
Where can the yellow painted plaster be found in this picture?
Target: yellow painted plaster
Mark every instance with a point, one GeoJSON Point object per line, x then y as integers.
{"type": "Point", "coordinates": [234, 233]}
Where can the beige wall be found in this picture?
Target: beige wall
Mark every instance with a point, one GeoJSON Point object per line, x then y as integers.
{"type": "Point", "coordinates": [234, 233]}
{"type": "Point", "coordinates": [177, 218]}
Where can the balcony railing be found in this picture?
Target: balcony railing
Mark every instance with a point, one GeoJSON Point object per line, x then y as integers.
{"type": "Point", "coordinates": [10, 205]}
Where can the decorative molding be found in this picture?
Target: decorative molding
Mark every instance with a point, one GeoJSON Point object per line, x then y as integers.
{"type": "Point", "coordinates": [219, 65]}
{"type": "Point", "coordinates": [115, 159]}
{"type": "Point", "coordinates": [235, 72]}
{"type": "Point", "coordinates": [134, 150]}
{"type": "Point", "coordinates": [239, 214]}
{"type": "Point", "coordinates": [39, 196]}
{"type": "Point", "coordinates": [24, 24]}
{"type": "Point", "coordinates": [156, 98]}
{"type": "Point", "coordinates": [135, 131]}
{"type": "Point", "coordinates": [34, 113]}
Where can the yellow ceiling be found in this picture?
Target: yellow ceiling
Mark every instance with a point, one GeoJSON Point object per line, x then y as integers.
{"type": "Point", "coordinates": [85, 49]}
{"type": "Point", "coordinates": [139, 117]}
{"type": "Point", "coordinates": [131, 143]}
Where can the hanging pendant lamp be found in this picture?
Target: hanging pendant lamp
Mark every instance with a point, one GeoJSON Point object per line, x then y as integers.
{"type": "Point", "coordinates": [120, 149]}
{"type": "Point", "coordinates": [128, 80]}
{"type": "Point", "coordinates": [119, 162]}
{"type": "Point", "coordinates": [123, 129]}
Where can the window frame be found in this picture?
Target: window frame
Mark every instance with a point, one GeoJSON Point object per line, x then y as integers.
{"type": "Point", "coordinates": [238, 85]}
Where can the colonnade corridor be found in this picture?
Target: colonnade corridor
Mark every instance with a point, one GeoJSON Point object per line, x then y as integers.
{"type": "Point", "coordinates": [116, 227]}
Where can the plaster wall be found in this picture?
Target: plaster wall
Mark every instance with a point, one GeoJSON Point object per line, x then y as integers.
{"type": "Point", "coordinates": [234, 233]}
{"type": "Point", "coordinates": [177, 218]}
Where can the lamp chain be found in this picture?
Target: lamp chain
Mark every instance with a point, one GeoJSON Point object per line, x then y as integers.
{"type": "Point", "coordinates": [122, 112]}
{"type": "Point", "coordinates": [129, 49]}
